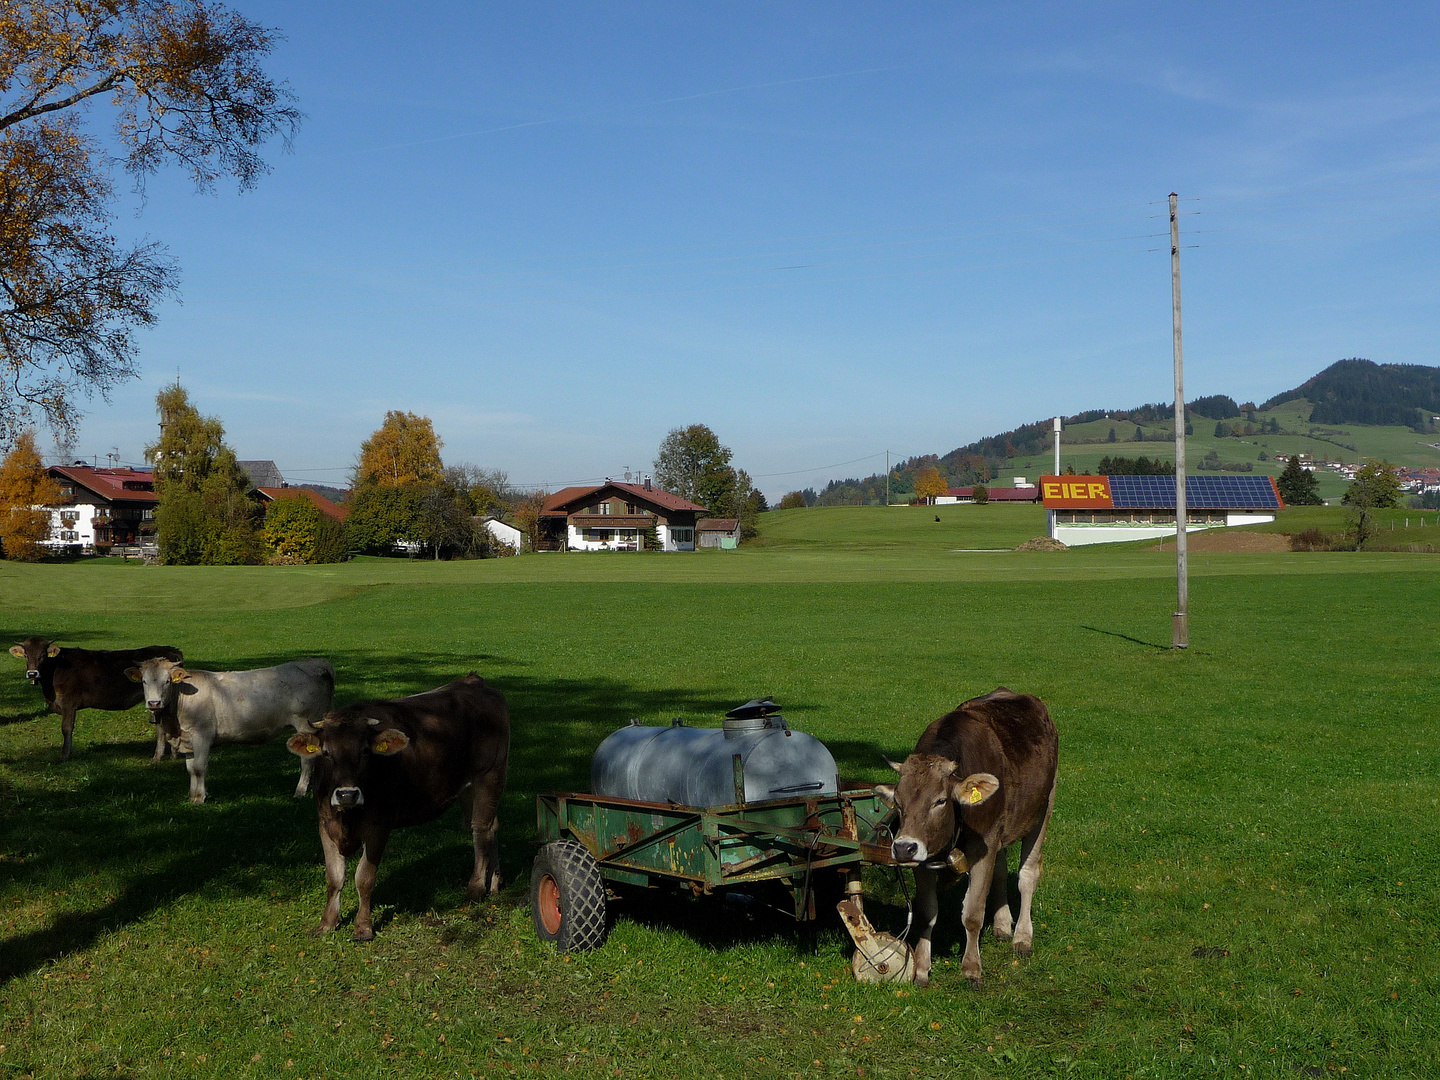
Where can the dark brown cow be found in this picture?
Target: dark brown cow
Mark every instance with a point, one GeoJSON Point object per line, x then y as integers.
{"type": "Point", "coordinates": [383, 765]}
{"type": "Point", "coordinates": [1005, 748]}
{"type": "Point", "coordinates": [74, 679]}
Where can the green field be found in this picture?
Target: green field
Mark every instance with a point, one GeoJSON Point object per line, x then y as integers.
{"type": "Point", "coordinates": [1271, 793]}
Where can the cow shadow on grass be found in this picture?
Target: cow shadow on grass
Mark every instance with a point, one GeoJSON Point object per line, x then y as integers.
{"type": "Point", "coordinates": [117, 837]}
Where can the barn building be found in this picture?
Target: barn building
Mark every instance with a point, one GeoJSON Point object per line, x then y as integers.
{"type": "Point", "coordinates": [1111, 509]}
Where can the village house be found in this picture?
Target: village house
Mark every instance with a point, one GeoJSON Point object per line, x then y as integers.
{"type": "Point", "coordinates": [617, 517]}
{"type": "Point", "coordinates": [102, 508]}
{"type": "Point", "coordinates": [267, 495]}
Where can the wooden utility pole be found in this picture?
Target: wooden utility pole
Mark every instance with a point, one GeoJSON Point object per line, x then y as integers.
{"type": "Point", "coordinates": [1181, 628]}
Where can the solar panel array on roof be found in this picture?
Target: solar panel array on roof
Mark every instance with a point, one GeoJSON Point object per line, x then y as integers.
{"type": "Point", "coordinates": [1201, 493]}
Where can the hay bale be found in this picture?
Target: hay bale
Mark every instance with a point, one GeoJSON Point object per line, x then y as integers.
{"type": "Point", "coordinates": [1042, 543]}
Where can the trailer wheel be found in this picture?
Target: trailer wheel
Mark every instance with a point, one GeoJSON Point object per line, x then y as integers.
{"type": "Point", "coordinates": [567, 897]}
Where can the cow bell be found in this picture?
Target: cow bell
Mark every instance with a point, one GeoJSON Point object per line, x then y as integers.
{"type": "Point", "coordinates": [878, 957]}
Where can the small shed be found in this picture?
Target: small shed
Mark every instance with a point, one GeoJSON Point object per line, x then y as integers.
{"type": "Point", "coordinates": [502, 532]}
{"type": "Point", "coordinates": [718, 532]}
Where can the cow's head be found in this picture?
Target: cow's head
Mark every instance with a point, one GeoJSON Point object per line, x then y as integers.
{"type": "Point", "coordinates": [33, 650]}
{"type": "Point", "coordinates": [931, 802]}
{"type": "Point", "coordinates": [161, 679]}
{"type": "Point", "coordinates": [342, 746]}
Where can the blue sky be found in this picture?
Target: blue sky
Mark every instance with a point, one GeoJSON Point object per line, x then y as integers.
{"type": "Point", "coordinates": [825, 230]}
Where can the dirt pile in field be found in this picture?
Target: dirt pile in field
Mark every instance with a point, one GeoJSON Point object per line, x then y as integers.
{"type": "Point", "coordinates": [1228, 540]}
{"type": "Point", "coordinates": [1042, 543]}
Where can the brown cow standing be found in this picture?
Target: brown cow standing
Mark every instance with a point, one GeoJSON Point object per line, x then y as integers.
{"type": "Point", "coordinates": [1003, 744]}
{"type": "Point", "coordinates": [383, 765]}
{"type": "Point", "coordinates": [74, 679]}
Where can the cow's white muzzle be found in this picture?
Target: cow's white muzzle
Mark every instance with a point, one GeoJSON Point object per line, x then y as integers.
{"type": "Point", "coordinates": [343, 798]}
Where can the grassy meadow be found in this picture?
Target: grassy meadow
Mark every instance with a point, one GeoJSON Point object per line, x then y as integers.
{"type": "Point", "coordinates": [1241, 876]}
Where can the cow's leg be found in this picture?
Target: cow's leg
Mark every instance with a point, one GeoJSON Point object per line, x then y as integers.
{"type": "Point", "coordinates": [482, 801]}
{"type": "Point", "coordinates": [160, 741]}
{"type": "Point", "coordinates": [927, 910]}
{"type": "Point", "coordinates": [307, 764]}
{"type": "Point", "coordinates": [1004, 925]}
{"type": "Point", "coordinates": [1031, 861]}
{"type": "Point", "coordinates": [67, 730]}
{"type": "Point", "coordinates": [198, 762]}
{"type": "Point", "coordinates": [365, 871]}
{"type": "Point", "coordinates": [334, 881]}
{"type": "Point", "coordinates": [973, 914]}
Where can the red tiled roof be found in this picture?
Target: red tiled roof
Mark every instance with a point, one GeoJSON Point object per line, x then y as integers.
{"type": "Point", "coordinates": [556, 503]}
{"type": "Point", "coordinates": [109, 483]}
{"type": "Point", "coordinates": [1000, 494]}
{"type": "Point", "coordinates": [718, 524]}
{"type": "Point", "coordinates": [325, 506]}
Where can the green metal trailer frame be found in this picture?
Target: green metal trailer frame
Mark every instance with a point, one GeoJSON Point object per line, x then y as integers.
{"type": "Point", "coordinates": [719, 847]}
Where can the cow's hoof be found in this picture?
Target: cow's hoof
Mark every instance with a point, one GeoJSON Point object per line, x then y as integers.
{"type": "Point", "coordinates": [1021, 948]}
{"type": "Point", "coordinates": [976, 982]}
{"type": "Point", "coordinates": [321, 931]}
{"type": "Point", "coordinates": [367, 934]}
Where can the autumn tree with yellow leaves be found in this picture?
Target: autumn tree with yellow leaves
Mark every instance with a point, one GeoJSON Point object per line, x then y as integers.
{"type": "Point", "coordinates": [25, 485]}
{"type": "Point", "coordinates": [179, 82]}
{"type": "Point", "coordinates": [405, 450]}
{"type": "Point", "coordinates": [929, 483]}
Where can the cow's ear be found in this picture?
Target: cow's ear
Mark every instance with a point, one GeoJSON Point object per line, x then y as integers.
{"type": "Point", "coordinates": [54, 651]}
{"type": "Point", "coordinates": [18, 650]}
{"type": "Point", "coordinates": [974, 789]}
{"type": "Point", "coordinates": [390, 742]}
{"type": "Point", "coordinates": [886, 792]}
{"type": "Point", "coordinates": [305, 744]}
{"type": "Point", "coordinates": [178, 674]}
{"type": "Point", "coordinates": [134, 674]}
{"type": "Point", "coordinates": [895, 765]}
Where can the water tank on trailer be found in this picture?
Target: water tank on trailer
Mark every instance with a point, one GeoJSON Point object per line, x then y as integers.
{"type": "Point", "coordinates": [696, 766]}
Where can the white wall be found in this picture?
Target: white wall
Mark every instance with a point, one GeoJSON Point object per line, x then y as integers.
{"type": "Point", "coordinates": [505, 534]}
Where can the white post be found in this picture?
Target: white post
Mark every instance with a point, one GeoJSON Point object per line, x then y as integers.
{"type": "Point", "coordinates": [1057, 446]}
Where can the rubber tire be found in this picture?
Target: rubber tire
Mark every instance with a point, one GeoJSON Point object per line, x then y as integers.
{"type": "Point", "coordinates": [566, 872]}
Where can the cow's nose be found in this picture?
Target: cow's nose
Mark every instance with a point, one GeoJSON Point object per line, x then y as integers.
{"type": "Point", "coordinates": [348, 796]}
{"type": "Point", "coordinates": [153, 703]}
{"type": "Point", "coordinates": [904, 850]}
{"type": "Point", "coordinates": [32, 674]}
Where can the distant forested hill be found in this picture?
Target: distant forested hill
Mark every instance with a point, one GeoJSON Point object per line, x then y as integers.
{"type": "Point", "coordinates": [1362, 392]}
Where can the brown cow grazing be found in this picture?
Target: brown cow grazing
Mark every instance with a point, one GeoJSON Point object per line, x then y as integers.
{"type": "Point", "coordinates": [383, 765]}
{"type": "Point", "coordinates": [74, 679]}
{"type": "Point", "coordinates": [1005, 747]}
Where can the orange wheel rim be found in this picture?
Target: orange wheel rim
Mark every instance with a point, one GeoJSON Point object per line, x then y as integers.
{"type": "Point", "coordinates": [547, 898]}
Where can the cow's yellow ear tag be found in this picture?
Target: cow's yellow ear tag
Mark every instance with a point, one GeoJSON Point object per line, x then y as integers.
{"type": "Point", "coordinates": [312, 747]}
{"type": "Point", "coordinates": [975, 796]}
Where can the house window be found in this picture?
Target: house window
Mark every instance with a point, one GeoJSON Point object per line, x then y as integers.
{"type": "Point", "coordinates": [630, 509]}
{"type": "Point", "coordinates": [683, 536]}
{"type": "Point", "coordinates": [604, 508]}
{"type": "Point", "coordinates": [149, 515]}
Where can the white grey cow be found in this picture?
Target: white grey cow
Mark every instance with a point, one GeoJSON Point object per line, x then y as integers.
{"type": "Point", "coordinates": [237, 707]}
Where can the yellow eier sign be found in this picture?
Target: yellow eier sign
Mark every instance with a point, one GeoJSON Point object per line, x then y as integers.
{"type": "Point", "coordinates": [1075, 492]}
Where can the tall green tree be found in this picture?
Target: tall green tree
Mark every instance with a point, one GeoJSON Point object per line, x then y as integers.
{"type": "Point", "coordinates": [204, 515]}
{"type": "Point", "coordinates": [1297, 484]}
{"type": "Point", "coordinates": [1375, 487]}
{"type": "Point", "coordinates": [692, 463]}
{"type": "Point", "coordinates": [178, 82]}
